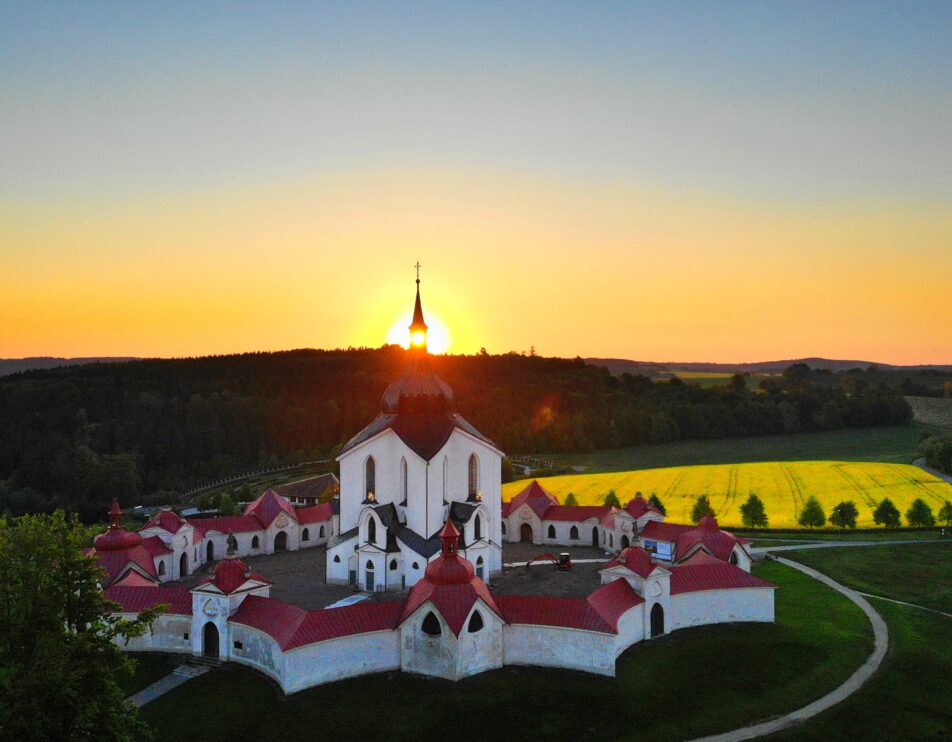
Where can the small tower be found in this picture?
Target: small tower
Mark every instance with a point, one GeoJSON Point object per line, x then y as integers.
{"type": "Point", "coordinates": [418, 327]}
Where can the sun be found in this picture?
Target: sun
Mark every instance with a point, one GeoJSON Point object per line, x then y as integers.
{"type": "Point", "coordinates": [437, 336]}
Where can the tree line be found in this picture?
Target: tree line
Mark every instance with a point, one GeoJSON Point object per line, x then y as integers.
{"type": "Point", "coordinates": [140, 431]}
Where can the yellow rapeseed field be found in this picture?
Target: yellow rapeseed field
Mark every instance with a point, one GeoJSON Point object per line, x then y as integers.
{"type": "Point", "coordinates": [782, 485]}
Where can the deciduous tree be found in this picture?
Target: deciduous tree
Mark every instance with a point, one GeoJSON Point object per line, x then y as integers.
{"type": "Point", "coordinates": [945, 513]}
{"type": "Point", "coordinates": [702, 507]}
{"type": "Point", "coordinates": [753, 514]}
{"type": "Point", "coordinates": [920, 514]}
{"type": "Point", "coordinates": [844, 515]}
{"type": "Point", "coordinates": [612, 499]}
{"type": "Point", "coordinates": [656, 501]}
{"type": "Point", "coordinates": [886, 514]}
{"type": "Point", "coordinates": [812, 515]}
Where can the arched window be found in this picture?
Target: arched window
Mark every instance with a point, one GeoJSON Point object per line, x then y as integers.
{"type": "Point", "coordinates": [320, 534]}
{"type": "Point", "coordinates": [337, 559]}
{"type": "Point", "coordinates": [370, 564]}
{"type": "Point", "coordinates": [404, 485]}
{"type": "Point", "coordinates": [305, 535]}
{"type": "Point", "coordinates": [611, 540]}
{"type": "Point", "coordinates": [479, 567]}
{"type": "Point", "coordinates": [416, 566]}
{"type": "Point", "coordinates": [504, 528]}
{"type": "Point", "coordinates": [475, 623]}
{"type": "Point", "coordinates": [573, 533]}
{"type": "Point", "coordinates": [255, 542]}
{"type": "Point", "coordinates": [232, 543]}
{"type": "Point", "coordinates": [733, 557]}
{"type": "Point", "coordinates": [371, 530]}
{"type": "Point", "coordinates": [393, 564]}
{"type": "Point", "coordinates": [551, 532]}
{"type": "Point", "coordinates": [473, 475]}
{"type": "Point", "coordinates": [477, 528]}
{"type": "Point", "coordinates": [431, 625]}
{"type": "Point", "coordinates": [161, 568]}
{"type": "Point", "coordinates": [446, 475]}
{"type": "Point", "coordinates": [370, 477]}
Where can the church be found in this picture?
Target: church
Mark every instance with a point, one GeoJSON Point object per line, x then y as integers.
{"type": "Point", "coordinates": [415, 466]}
{"type": "Point", "coordinates": [419, 515]}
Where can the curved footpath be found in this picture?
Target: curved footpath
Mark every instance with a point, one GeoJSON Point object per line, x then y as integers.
{"type": "Point", "coordinates": [850, 686]}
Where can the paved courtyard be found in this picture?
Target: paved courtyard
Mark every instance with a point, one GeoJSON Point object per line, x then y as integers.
{"type": "Point", "coordinates": [298, 576]}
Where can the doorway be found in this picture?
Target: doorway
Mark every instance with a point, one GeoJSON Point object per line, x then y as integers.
{"type": "Point", "coordinates": [210, 552]}
{"type": "Point", "coordinates": [657, 620]}
{"type": "Point", "coordinates": [525, 533]}
{"type": "Point", "coordinates": [595, 537]}
{"type": "Point", "coordinates": [183, 565]}
{"type": "Point", "coordinates": [210, 641]}
{"type": "Point", "coordinates": [281, 541]}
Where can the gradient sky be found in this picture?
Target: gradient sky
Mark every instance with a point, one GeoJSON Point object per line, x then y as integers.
{"type": "Point", "coordinates": [699, 181]}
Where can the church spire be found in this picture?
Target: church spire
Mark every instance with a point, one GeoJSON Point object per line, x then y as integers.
{"type": "Point", "coordinates": [418, 327]}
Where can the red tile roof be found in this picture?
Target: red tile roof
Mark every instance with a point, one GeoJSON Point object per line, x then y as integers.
{"type": "Point", "coordinates": [721, 576]}
{"type": "Point", "coordinates": [535, 496]}
{"type": "Point", "coordinates": [635, 559]}
{"type": "Point", "coordinates": [167, 520]}
{"type": "Point", "coordinates": [719, 543]}
{"type": "Point", "coordinates": [230, 574]}
{"type": "Point", "coordinates": [315, 513]}
{"type": "Point", "coordinates": [639, 506]}
{"type": "Point", "coordinates": [116, 562]}
{"type": "Point", "coordinates": [268, 506]}
{"type": "Point", "coordinates": [293, 627]}
{"type": "Point", "coordinates": [547, 610]}
{"type": "Point", "coordinates": [229, 524]}
{"type": "Point", "coordinates": [135, 599]}
{"type": "Point", "coordinates": [156, 546]}
{"type": "Point", "coordinates": [134, 579]}
{"type": "Point", "coordinates": [658, 531]}
{"type": "Point", "coordinates": [612, 600]}
{"type": "Point", "coordinates": [576, 512]}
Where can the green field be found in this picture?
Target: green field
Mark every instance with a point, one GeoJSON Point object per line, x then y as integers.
{"type": "Point", "coordinates": [911, 695]}
{"type": "Point", "coordinates": [783, 486]}
{"type": "Point", "coordinates": [665, 689]}
{"type": "Point", "coordinates": [896, 444]}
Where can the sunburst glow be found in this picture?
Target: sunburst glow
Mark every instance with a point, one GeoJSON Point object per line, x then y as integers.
{"type": "Point", "coordinates": [437, 336]}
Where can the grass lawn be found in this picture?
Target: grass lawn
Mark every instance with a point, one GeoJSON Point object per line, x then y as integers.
{"type": "Point", "coordinates": [692, 682]}
{"type": "Point", "coordinates": [830, 534]}
{"type": "Point", "coordinates": [893, 443]}
{"type": "Point", "coordinates": [915, 573]}
{"type": "Point", "coordinates": [149, 668]}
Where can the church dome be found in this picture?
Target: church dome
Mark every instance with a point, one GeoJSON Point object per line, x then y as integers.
{"type": "Point", "coordinates": [116, 538]}
{"type": "Point", "coordinates": [449, 568]}
{"type": "Point", "coordinates": [419, 390]}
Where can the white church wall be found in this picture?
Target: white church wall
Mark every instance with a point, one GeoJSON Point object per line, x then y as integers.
{"type": "Point", "coordinates": [255, 649]}
{"type": "Point", "coordinates": [551, 646]}
{"type": "Point", "coordinates": [336, 659]}
{"type": "Point", "coordinates": [482, 650]}
{"type": "Point", "coordinates": [721, 606]}
{"type": "Point", "coordinates": [425, 654]}
{"type": "Point", "coordinates": [631, 629]}
{"type": "Point", "coordinates": [169, 633]}
{"type": "Point", "coordinates": [387, 451]}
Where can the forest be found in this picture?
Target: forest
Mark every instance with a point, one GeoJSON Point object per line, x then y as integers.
{"type": "Point", "coordinates": [142, 431]}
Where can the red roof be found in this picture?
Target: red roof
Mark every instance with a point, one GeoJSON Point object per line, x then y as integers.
{"type": "Point", "coordinates": [639, 506]}
{"type": "Point", "coordinates": [116, 562]}
{"type": "Point", "coordinates": [534, 496]}
{"type": "Point", "coordinates": [720, 576]}
{"type": "Point", "coordinates": [700, 557]}
{"type": "Point", "coordinates": [658, 531]}
{"type": "Point", "coordinates": [719, 543]}
{"type": "Point", "coordinates": [268, 506]}
{"type": "Point", "coordinates": [293, 627]}
{"type": "Point", "coordinates": [167, 520]}
{"type": "Point", "coordinates": [156, 546]}
{"type": "Point", "coordinates": [229, 575]}
{"type": "Point", "coordinates": [612, 600]}
{"type": "Point", "coordinates": [315, 513]}
{"type": "Point", "coordinates": [229, 524]}
{"type": "Point", "coordinates": [635, 559]}
{"type": "Point", "coordinates": [134, 579]}
{"type": "Point", "coordinates": [547, 610]}
{"type": "Point", "coordinates": [135, 599]}
{"type": "Point", "coordinates": [576, 512]}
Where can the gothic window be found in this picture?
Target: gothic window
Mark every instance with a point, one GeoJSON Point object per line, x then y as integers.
{"type": "Point", "coordinates": [305, 535]}
{"type": "Point", "coordinates": [473, 475]}
{"type": "Point", "coordinates": [504, 528]}
{"type": "Point", "coordinates": [477, 528]}
{"type": "Point", "coordinates": [320, 533]}
{"type": "Point", "coordinates": [479, 568]}
{"type": "Point", "coordinates": [370, 476]}
{"type": "Point", "coordinates": [161, 568]}
{"type": "Point", "coordinates": [416, 566]}
{"type": "Point", "coordinates": [255, 542]}
{"type": "Point", "coordinates": [573, 533]}
{"type": "Point", "coordinates": [336, 559]}
{"type": "Point", "coordinates": [371, 530]}
{"type": "Point", "coordinates": [404, 486]}
{"type": "Point", "coordinates": [393, 564]}
{"type": "Point", "coordinates": [733, 557]}
{"type": "Point", "coordinates": [475, 623]}
{"type": "Point", "coordinates": [431, 625]}
{"type": "Point", "coordinates": [446, 471]}
{"type": "Point", "coordinates": [611, 541]}
{"type": "Point", "coordinates": [551, 532]}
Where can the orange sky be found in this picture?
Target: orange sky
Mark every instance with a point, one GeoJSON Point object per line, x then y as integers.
{"type": "Point", "coordinates": [510, 261]}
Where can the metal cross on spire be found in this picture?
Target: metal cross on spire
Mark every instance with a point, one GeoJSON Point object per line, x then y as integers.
{"type": "Point", "coordinates": [417, 266]}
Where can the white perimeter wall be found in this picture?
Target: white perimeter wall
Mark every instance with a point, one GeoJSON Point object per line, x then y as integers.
{"type": "Point", "coordinates": [167, 635]}
{"type": "Point", "coordinates": [720, 606]}
{"type": "Point", "coordinates": [337, 659]}
{"type": "Point", "coordinates": [551, 646]}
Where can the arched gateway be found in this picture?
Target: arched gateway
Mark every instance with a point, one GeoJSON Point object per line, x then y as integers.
{"type": "Point", "coordinates": [525, 533]}
{"type": "Point", "coordinates": [657, 620]}
{"type": "Point", "coordinates": [210, 641]}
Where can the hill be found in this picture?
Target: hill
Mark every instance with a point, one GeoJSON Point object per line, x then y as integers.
{"type": "Point", "coordinates": [619, 366]}
{"type": "Point", "coordinates": [16, 365]}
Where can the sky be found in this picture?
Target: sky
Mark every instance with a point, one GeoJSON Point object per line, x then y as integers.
{"type": "Point", "coordinates": [657, 181]}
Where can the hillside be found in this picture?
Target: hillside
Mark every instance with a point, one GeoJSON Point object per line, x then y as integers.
{"type": "Point", "coordinates": [16, 365]}
{"type": "Point", "coordinates": [619, 366]}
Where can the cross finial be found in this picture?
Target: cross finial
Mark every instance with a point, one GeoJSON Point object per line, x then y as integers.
{"type": "Point", "coordinates": [417, 266]}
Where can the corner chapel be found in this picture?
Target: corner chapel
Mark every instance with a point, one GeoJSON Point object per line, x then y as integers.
{"type": "Point", "coordinates": [417, 465]}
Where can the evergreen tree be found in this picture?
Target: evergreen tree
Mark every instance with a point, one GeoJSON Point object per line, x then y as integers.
{"type": "Point", "coordinates": [844, 515]}
{"type": "Point", "coordinates": [886, 514]}
{"type": "Point", "coordinates": [59, 659]}
{"type": "Point", "coordinates": [656, 501]}
{"type": "Point", "coordinates": [945, 513]}
{"type": "Point", "coordinates": [702, 507]}
{"type": "Point", "coordinates": [612, 499]}
{"type": "Point", "coordinates": [920, 514]}
{"type": "Point", "coordinates": [812, 515]}
{"type": "Point", "coordinates": [226, 505]}
{"type": "Point", "coordinates": [570, 499]}
{"type": "Point", "coordinates": [753, 514]}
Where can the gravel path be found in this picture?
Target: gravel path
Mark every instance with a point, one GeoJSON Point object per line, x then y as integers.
{"type": "Point", "coordinates": [181, 674]}
{"type": "Point", "coordinates": [760, 551]}
{"type": "Point", "coordinates": [852, 684]}
{"type": "Point", "coordinates": [921, 463]}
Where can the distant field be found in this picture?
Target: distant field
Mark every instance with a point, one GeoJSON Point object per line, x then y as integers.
{"type": "Point", "coordinates": [715, 378]}
{"type": "Point", "coordinates": [783, 486]}
{"type": "Point", "coordinates": [931, 410]}
{"type": "Point", "coordinates": [894, 443]}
